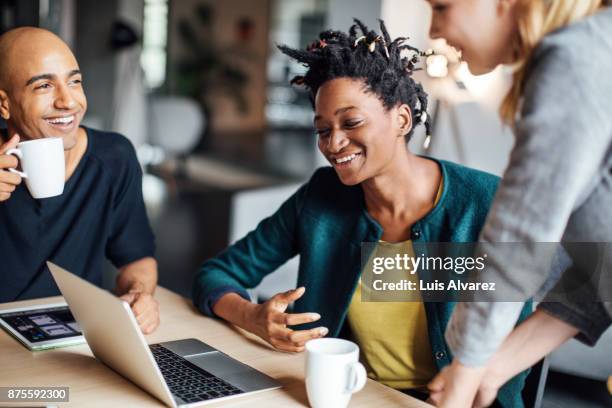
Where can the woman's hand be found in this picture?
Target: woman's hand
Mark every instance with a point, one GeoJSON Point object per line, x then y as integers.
{"type": "Point", "coordinates": [487, 392]}
{"type": "Point", "coordinates": [456, 386]}
{"type": "Point", "coordinates": [270, 322]}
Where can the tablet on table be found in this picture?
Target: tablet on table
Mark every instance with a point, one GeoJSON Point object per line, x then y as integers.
{"type": "Point", "coordinates": [42, 327]}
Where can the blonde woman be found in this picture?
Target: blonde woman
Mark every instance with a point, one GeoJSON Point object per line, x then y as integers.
{"type": "Point", "coordinates": [557, 187]}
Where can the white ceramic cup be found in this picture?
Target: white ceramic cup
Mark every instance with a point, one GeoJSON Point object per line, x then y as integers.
{"type": "Point", "coordinates": [333, 372]}
{"type": "Point", "coordinates": [43, 165]}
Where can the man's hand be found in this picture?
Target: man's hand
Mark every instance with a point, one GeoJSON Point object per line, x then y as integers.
{"type": "Point", "coordinates": [136, 283]}
{"type": "Point", "coordinates": [456, 386]}
{"type": "Point", "coordinates": [8, 181]}
{"type": "Point", "coordinates": [145, 308]}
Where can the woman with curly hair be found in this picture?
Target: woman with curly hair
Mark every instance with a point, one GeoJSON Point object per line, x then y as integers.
{"type": "Point", "coordinates": [366, 107]}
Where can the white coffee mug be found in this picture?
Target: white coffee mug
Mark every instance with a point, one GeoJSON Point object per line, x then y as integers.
{"type": "Point", "coordinates": [333, 372]}
{"type": "Point", "coordinates": [43, 165]}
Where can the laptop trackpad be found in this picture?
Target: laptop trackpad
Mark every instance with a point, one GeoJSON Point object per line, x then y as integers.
{"type": "Point", "coordinates": [188, 347]}
{"type": "Point", "coordinates": [238, 374]}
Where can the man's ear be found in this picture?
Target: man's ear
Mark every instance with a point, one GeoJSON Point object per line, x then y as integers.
{"type": "Point", "coordinates": [5, 111]}
{"type": "Point", "coordinates": [404, 117]}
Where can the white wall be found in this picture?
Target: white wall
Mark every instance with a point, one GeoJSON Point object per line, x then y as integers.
{"type": "Point", "coordinates": [408, 18]}
{"type": "Point", "coordinates": [342, 12]}
{"type": "Point", "coordinates": [248, 208]}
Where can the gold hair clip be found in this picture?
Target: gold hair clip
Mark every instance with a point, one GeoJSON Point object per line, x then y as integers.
{"type": "Point", "coordinates": [372, 46]}
{"type": "Point", "coordinates": [384, 43]}
{"type": "Point", "coordinates": [423, 120]}
{"type": "Point", "coordinates": [423, 117]}
{"type": "Point", "coordinates": [357, 41]}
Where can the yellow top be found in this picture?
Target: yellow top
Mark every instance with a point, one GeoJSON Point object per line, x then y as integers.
{"type": "Point", "coordinates": [393, 336]}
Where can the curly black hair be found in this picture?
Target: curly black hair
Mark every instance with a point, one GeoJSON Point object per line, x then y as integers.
{"type": "Point", "coordinates": [367, 55]}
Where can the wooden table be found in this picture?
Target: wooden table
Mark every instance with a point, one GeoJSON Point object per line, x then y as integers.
{"type": "Point", "coordinates": [94, 384]}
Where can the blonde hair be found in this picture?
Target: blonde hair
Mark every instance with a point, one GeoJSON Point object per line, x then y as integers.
{"type": "Point", "coordinates": [537, 18]}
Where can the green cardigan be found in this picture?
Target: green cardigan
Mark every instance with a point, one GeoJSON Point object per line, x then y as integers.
{"type": "Point", "coordinates": [325, 223]}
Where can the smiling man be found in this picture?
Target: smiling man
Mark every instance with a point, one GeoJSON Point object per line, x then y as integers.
{"type": "Point", "coordinates": [100, 215]}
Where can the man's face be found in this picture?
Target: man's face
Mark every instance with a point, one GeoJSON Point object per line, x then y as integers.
{"type": "Point", "coordinates": [45, 93]}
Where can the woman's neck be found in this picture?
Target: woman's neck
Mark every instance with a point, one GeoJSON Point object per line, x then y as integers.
{"type": "Point", "coordinates": [405, 191]}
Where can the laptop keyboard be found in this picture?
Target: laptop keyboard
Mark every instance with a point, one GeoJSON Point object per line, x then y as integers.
{"type": "Point", "coordinates": [188, 381]}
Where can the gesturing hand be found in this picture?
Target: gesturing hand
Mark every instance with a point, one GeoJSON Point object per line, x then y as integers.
{"type": "Point", "coordinates": [270, 322]}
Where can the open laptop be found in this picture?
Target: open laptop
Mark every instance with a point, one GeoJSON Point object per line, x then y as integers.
{"type": "Point", "coordinates": [179, 373]}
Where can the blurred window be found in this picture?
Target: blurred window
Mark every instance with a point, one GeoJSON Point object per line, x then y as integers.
{"type": "Point", "coordinates": [155, 41]}
{"type": "Point", "coordinates": [294, 23]}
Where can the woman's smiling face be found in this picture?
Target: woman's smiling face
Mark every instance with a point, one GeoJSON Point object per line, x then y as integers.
{"type": "Point", "coordinates": [357, 134]}
{"type": "Point", "coordinates": [482, 30]}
